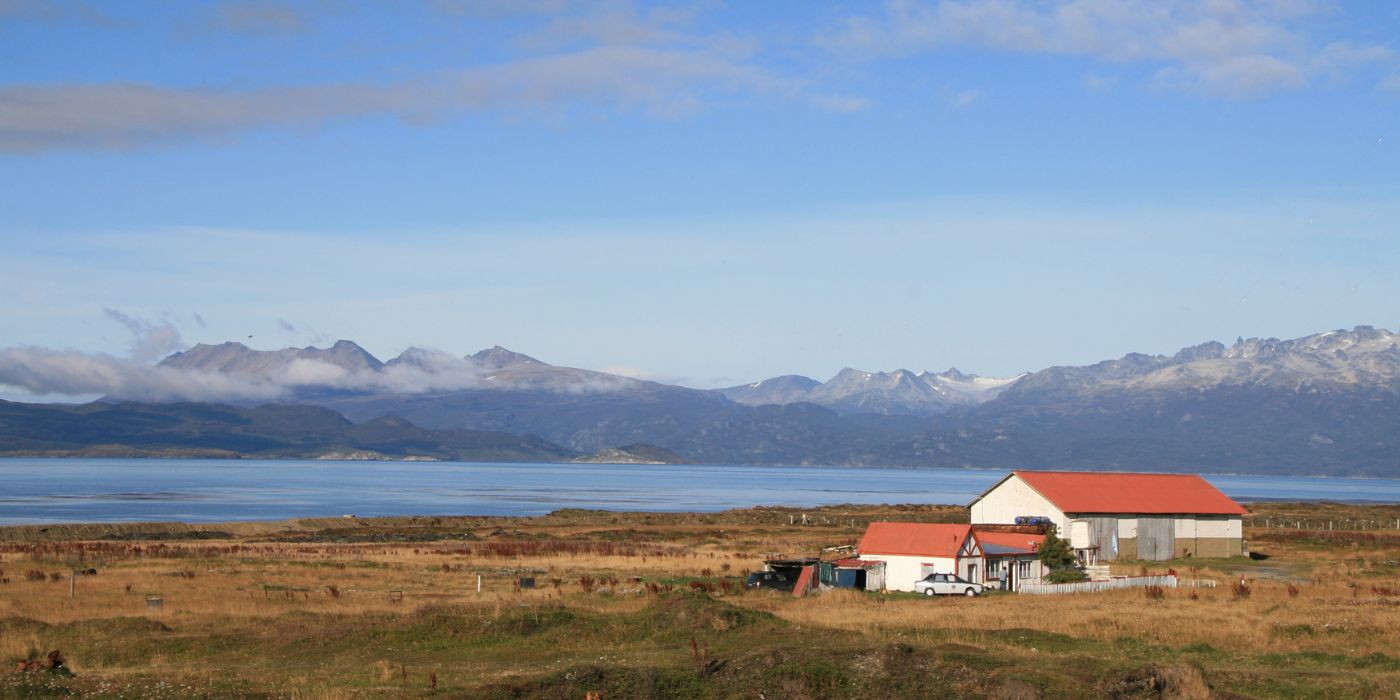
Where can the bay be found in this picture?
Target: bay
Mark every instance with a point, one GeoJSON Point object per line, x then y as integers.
{"type": "Point", "coordinates": [42, 491]}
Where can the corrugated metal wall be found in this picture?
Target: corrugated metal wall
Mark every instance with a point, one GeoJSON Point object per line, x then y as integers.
{"type": "Point", "coordinates": [1103, 533]}
{"type": "Point", "coordinates": [1156, 537]}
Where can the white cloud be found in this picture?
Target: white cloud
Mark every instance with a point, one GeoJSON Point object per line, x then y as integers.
{"type": "Point", "coordinates": [66, 372]}
{"type": "Point", "coordinates": [1230, 48]}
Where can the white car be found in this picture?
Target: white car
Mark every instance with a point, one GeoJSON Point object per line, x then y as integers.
{"type": "Point", "coordinates": [947, 584]}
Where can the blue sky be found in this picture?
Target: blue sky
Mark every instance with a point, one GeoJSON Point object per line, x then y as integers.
{"type": "Point", "coordinates": [705, 192]}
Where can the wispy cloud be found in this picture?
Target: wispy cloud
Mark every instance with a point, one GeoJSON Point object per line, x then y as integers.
{"type": "Point", "coordinates": [663, 82]}
{"type": "Point", "coordinates": [1230, 48]}
{"type": "Point", "coordinates": [1097, 82]}
{"type": "Point", "coordinates": [964, 98]}
{"type": "Point", "coordinates": [258, 17]}
{"type": "Point", "coordinates": [51, 11]}
{"type": "Point", "coordinates": [150, 340]}
{"type": "Point", "coordinates": [610, 57]}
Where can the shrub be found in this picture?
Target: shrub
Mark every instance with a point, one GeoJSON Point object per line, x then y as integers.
{"type": "Point", "coordinates": [1070, 575]}
{"type": "Point", "coordinates": [1154, 592]}
{"type": "Point", "coordinates": [1055, 553]}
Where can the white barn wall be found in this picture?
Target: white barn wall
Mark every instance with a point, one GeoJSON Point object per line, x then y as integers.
{"type": "Point", "coordinates": [1208, 526]}
{"type": "Point", "coordinates": [1011, 498]}
{"type": "Point", "coordinates": [1127, 528]}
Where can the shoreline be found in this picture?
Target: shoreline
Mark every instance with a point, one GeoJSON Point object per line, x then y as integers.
{"type": "Point", "coordinates": [189, 530]}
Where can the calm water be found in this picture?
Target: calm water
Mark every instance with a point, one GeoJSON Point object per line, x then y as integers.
{"type": "Point", "coordinates": [105, 490]}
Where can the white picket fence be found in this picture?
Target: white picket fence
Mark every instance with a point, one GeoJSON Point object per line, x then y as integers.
{"type": "Point", "coordinates": [1197, 583]}
{"type": "Point", "coordinates": [1112, 584]}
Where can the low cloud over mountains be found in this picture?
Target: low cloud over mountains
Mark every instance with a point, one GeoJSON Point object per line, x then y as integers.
{"type": "Point", "coordinates": [1325, 403]}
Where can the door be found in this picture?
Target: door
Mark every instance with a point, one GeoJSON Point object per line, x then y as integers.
{"type": "Point", "coordinates": [1156, 537]}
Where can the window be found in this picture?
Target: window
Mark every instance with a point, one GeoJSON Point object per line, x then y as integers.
{"type": "Point", "coordinates": [993, 568]}
{"type": "Point", "coordinates": [1023, 568]}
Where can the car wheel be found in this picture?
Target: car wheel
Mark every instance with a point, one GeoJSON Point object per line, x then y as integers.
{"type": "Point", "coordinates": [928, 591]}
{"type": "Point", "coordinates": [969, 592]}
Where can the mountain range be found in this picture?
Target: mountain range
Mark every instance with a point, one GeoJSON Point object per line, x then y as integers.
{"type": "Point", "coordinates": [1327, 403]}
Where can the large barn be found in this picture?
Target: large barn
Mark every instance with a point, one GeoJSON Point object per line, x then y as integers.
{"type": "Point", "coordinates": [1110, 515]}
{"type": "Point", "coordinates": [912, 551]}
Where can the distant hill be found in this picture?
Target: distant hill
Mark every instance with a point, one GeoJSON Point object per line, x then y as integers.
{"type": "Point", "coordinates": [201, 430]}
{"type": "Point", "coordinates": [1324, 403]}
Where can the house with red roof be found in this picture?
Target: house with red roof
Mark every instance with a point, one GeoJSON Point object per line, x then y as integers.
{"type": "Point", "coordinates": [1113, 515]}
{"type": "Point", "coordinates": [912, 551]}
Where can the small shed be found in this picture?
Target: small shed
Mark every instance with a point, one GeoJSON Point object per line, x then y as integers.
{"type": "Point", "coordinates": [791, 567]}
{"type": "Point", "coordinates": [854, 572]}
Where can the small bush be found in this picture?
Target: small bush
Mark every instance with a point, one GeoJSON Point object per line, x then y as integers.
{"type": "Point", "coordinates": [33, 575]}
{"type": "Point", "coordinates": [1066, 576]}
{"type": "Point", "coordinates": [1154, 592]}
{"type": "Point", "coordinates": [1292, 591]}
{"type": "Point", "coordinates": [1240, 589]}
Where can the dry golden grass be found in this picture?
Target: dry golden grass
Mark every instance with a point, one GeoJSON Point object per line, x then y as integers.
{"type": "Point", "coordinates": [1322, 618]}
{"type": "Point", "coordinates": [249, 588]}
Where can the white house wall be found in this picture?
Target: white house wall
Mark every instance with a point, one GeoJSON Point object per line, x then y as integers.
{"type": "Point", "coordinates": [1127, 528]}
{"type": "Point", "coordinates": [1186, 528]}
{"type": "Point", "coordinates": [1011, 498]}
{"type": "Point", "coordinates": [902, 572]}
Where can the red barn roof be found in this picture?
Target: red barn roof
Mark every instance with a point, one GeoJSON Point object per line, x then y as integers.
{"type": "Point", "coordinates": [914, 539]}
{"type": "Point", "coordinates": [1114, 492]}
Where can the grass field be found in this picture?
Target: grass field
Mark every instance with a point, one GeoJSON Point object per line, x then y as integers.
{"type": "Point", "coordinates": [342, 608]}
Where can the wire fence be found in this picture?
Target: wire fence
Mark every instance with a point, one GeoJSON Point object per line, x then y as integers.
{"type": "Point", "coordinates": [1278, 523]}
